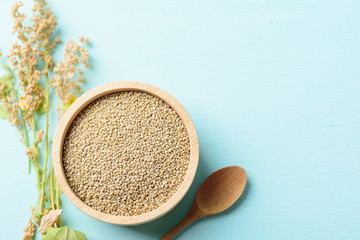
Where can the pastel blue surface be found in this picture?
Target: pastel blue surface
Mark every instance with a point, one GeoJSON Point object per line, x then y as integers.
{"type": "Point", "coordinates": [272, 86]}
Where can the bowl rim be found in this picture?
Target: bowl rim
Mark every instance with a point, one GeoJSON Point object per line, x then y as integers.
{"type": "Point", "coordinates": [89, 97]}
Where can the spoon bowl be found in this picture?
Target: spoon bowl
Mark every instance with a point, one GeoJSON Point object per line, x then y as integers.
{"type": "Point", "coordinates": [221, 189]}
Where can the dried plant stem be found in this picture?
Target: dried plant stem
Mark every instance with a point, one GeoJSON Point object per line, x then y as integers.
{"type": "Point", "coordinates": [52, 187]}
{"type": "Point", "coordinates": [36, 162]}
{"type": "Point", "coordinates": [25, 139]}
{"type": "Point", "coordinates": [46, 141]}
{"type": "Point", "coordinates": [58, 202]}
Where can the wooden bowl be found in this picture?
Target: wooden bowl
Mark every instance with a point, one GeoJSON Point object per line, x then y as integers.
{"type": "Point", "coordinates": [82, 102]}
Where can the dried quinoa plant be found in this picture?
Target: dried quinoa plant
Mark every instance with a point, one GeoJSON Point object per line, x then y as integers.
{"type": "Point", "coordinates": [25, 98]}
{"type": "Point", "coordinates": [76, 59]}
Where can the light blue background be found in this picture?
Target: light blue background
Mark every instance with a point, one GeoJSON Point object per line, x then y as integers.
{"type": "Point", "coordinates": [273, 86]}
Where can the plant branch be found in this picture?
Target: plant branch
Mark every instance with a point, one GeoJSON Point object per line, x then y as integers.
{"type": "Point", "coordinates": [46, 141]}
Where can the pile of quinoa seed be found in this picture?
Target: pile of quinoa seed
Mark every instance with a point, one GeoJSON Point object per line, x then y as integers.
{"type": "Point", "coordinates": [126, 153]}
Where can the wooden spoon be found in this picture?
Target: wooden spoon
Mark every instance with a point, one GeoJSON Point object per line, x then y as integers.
{"type": "Point", "coordinates": [217, 193]}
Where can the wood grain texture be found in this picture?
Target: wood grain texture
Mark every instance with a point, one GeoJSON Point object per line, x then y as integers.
{"type": "Point", "coordinates": [85, 100]}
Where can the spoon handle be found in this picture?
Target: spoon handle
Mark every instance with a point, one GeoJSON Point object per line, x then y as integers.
{"type": "Point", "coordinates": [172, 233]}
{"type": "Point", "coordinates": [192, 215]}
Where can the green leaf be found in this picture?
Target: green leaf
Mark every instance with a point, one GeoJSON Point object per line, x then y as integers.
{"type": "Point", "coordinates": [8, 84]}
{"type": "Point", "coordinates": [80, 235]}
{"type": "Point", "coordinates": [63, 233]}
{"type": "Point", "coordinates": [37, 212]}
{"type": "Point", "coordinates": [7, 81]}
{"type": "Point", "coordinates": [3, 113]}
{"type": "Point", "coordinates": [71, 101]}
{"type": "Point", "coordinates": [41, 109]}
{"type": "Point", "coordinates": [66, 233]}
{"type": "Point", "coordinates": [50, 233]}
